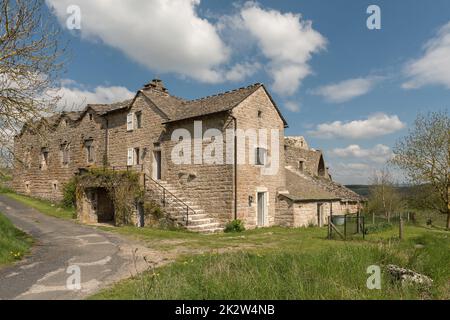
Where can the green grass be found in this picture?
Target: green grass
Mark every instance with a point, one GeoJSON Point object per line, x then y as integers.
{"type": "Point", "coordinates": [45, 207]}
{"type": "Point", "coordinates": [294, 264]}
{"type": "Point", "coordinates": [14, 244]}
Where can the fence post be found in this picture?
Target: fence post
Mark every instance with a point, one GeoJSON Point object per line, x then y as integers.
{"type": "Point", "coordinates": [164, 197]}
{"type": "Point", "coordinates": [345, 227]}
{"type": "Point", "coordinates": [373, 217]}
{"type": "Point", "coordinates": [357, 222]}
{"type": "Point", "coordinates": [329, 227]}
{"type": "Point", "coordinates": [187, 215]}
{"type": "Point", "coordinates": [400, 228]}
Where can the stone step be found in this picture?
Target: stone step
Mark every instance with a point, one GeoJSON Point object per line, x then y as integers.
{"type": "Point", "coordinates": [196, 222]}
{"type": "Point", "coordinates": [205, 226]}
{"type": "Point", "coordinates": [196, 216]}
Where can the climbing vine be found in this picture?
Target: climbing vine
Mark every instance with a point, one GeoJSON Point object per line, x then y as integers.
{"type": "Point", "coordinates": [123, 187]}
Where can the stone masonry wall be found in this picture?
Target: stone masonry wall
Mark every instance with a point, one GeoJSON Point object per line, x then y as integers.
{"type": "Point", "coordinates": [258, 112]}
{"type": "Point", "coordinates": [210, 185]}
{"type": "Point", "coordinates": [30, 177]}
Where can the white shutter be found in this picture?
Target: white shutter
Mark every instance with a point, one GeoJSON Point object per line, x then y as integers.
{"type": "Point", "coordinates": [130, 121]}
{"type": "Point", "coordinates": [130, 158]}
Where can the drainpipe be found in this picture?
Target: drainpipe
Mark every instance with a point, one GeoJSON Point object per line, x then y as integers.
{"type": "Point", "coordinates": [105, 164]}
{"type": "Point", "coordinates": [235, 166]}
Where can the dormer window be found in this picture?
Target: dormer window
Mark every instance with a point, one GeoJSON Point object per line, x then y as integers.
{"type": "Point", "coordinates": [65, 147]}
{"type": "Point", "coordinates": [91, 117]}
{"type": "Point", "coordinates": [44, 158]}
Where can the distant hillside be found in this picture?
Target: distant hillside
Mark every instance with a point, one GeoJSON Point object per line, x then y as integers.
{"type": "Point", "coordinates": [361, 189]}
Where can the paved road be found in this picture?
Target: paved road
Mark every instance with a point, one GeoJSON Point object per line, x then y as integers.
{"type": "Point", "coordinates": [61, 248]}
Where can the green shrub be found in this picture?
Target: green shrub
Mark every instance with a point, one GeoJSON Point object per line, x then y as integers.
{"type": "Point", "coordinates": [234, 226]}
{"type": "Point", "coordinates": [374, 228]}
{"type": "Point", "coordinates": [69, 194]}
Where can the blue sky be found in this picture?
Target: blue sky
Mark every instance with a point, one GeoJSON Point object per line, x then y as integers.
{"type": "Point", "coordinates": [349, 90]}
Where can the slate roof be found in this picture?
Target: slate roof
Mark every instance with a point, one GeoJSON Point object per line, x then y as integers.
{"type": "Point", "coordinates": [304, 187]}
{"type": "Point", "coordinates": [177, 109]}
{"type": "Point", "coordinates": [102, 109]}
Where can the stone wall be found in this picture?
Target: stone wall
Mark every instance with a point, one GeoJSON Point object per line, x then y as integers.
{"type": "Point", "coordinates": [145, 138]}
{"type": "Point", "coordinates": [257, 112]}
{"type": "Point", "coordinates": [30, 176]}
{"type": "Point", "coordinates": [209, 185]}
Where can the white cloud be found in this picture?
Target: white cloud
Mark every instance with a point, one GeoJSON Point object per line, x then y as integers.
{"type": "Point", "coordinates": [292, 106]}
{"type": "Point", "coordinates": [433, 68]}
{"type": "Point", "coordinates": [240, 71]}
{"type": "Point", "coordinates": [169, 36]}
{"type": "Point", "coordinates": [379, 153]}
{"type": "Point", "coordinates": [346, 90]}
{"type": "Point", "coordinates": [351, 173]}
{"type": "Point", "coordinates": [163, 35]}
{"type": "Point", "coordinates": [287, 41]}
{"type": "Point", "coordinates": [375, 125]}
{"type": "Point", "coordinates": [75, 97]}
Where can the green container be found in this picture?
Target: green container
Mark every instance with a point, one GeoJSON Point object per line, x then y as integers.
{"type": "Point", "coordinates": [338, 220]}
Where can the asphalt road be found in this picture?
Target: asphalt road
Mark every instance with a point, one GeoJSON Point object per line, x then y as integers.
{"type": "Point", "coordinates": [63, 251]}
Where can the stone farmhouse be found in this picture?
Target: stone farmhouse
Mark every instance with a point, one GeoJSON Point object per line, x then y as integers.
{"type": "Point", "coordinates": [138, 134]}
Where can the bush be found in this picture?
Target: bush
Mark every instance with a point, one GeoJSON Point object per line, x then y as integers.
{"type": "Point", "coordinates": [374, 228]}
{"type": "Point", "coordinates": [234, 226]}
{"type": "Point", "coordinates": [69, 194]}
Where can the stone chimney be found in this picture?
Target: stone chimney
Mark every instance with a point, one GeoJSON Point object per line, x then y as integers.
{"type": "Point", "coordinates": [156, 84]}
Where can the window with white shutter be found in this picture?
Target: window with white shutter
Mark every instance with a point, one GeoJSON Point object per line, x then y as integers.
{"type": "Point", "coordinates": [130, 158]}
{"type": "Point", "coordinates": [130, 121]}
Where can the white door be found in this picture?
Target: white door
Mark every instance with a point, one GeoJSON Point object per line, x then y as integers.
{"type": "Point", "coordinates": [156, 165]}
{"type": "Point", "coordinates": [261, 208]}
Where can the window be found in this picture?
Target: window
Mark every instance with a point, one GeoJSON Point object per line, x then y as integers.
{"type": "Point", "coordinates": [90, 117]}
{"type": "Point", "coordinates": [261, 156]}
{"type": "Point", "coordinates": [301, 165]}
{"type": "Point", "coordinates": [90, 155]}
{"type": "Point", "coordinates": [137, 154]}
{"type": "Point", "coordinates": [138, 120]}
{"type": "Point", "coordinates": [130, 121]}
{"type": "Point", "coordinates": [259, 113]}
{"type": "Point", "coordinates": [65, 153]}
{"type": "Point", "coordinates": [44, 158]}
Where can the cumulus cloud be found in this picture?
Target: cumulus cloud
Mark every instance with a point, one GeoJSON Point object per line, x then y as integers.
{"type": "Point", "coordinates": [169, 36]}
{"type": "Point", "coordinates": [433, 68]}
{"type": "Point", "coordinates": [286, 40]}
{"type": "Point", "coordinates": [75, 97]}
{"type": "Point", "coordinates": [379, 153]}
{"type": "Point", "coordinates": [374, 126]}
{"type": "Point", "coordinates": [163, 35]}
{"type": "Point", "coordinates": [292, 106]}
{"type": "Point", "coordinates": [346, 90]}
{"type": "Point", "coordinates": [351, 173]}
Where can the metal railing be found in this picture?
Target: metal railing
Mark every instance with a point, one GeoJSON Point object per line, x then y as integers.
{"type": "Point", "coordinates": [136, 168]}
{"type": "Point", "coordinates": [168, 198]}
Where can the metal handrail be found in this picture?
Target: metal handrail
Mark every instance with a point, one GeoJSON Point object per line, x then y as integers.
{"type": "Point", "coordinates": [165, 192]}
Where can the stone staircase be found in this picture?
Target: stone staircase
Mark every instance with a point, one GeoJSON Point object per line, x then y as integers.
{"type": "Point", "coordinates": [185, 212]}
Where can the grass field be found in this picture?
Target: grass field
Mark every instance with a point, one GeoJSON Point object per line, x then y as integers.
{"type": "Point", "coordinates": [46, 207]}
{"type": "Point", "coordinates": [14, 244]}
{"type": "Point", "coordinates": [277, 263]}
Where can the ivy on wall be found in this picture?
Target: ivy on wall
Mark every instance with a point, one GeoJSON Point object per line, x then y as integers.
{"type": "Point", "coordinates": [123, 188]}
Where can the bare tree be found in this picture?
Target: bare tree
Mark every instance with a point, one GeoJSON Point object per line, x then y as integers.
{"type": "Point", "coordinates": [29, 66]}
{"type": "Point", "coordinates": [425, 156]}
{"type": "Point", "coordinates": [384, 197]}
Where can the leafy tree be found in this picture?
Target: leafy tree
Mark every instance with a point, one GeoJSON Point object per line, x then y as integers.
{"type": "Point", "coordinates": [29, 66]}
{"type": "Point", "coordinates": [384, 197]}
{"type": "Point", "coordinates": [424, 155]}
